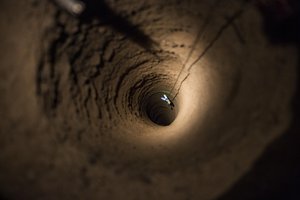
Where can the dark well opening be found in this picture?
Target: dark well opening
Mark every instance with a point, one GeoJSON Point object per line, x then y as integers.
{"type": "Point", "coordinates": [160, 108]}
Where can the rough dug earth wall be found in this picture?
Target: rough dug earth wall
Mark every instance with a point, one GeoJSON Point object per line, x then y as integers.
{"type": "Point", "coordinates": [82, 114]}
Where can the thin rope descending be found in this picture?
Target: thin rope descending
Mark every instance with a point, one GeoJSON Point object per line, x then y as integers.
{"type": "Point", "coordinates": [231, 19]}
{"type": "Point", "coordinates": [199, 35]}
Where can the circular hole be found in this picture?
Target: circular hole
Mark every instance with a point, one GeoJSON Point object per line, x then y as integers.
{"type": "Point", "coordinates": [160, 108]}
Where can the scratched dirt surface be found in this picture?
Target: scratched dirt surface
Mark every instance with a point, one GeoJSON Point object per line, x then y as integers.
{"type": "Point", "coordinates": [74, 89]}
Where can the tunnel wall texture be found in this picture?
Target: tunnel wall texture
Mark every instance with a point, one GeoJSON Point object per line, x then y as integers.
{"type": "Point", "coordinates": [75, 92]}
